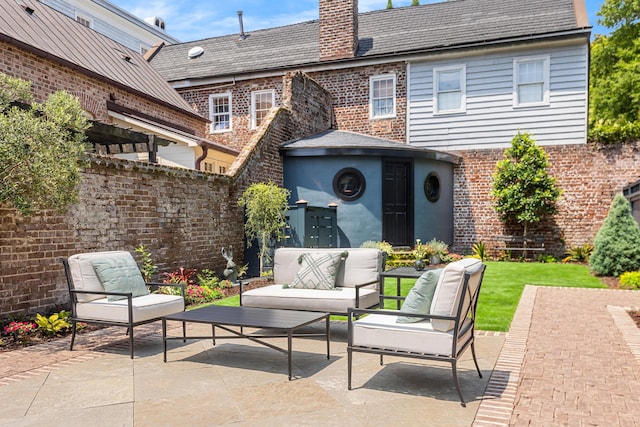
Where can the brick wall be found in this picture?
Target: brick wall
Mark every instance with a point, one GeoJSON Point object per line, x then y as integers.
{"type": "Point", "coordinates": [184, 217]}
{"type": "Point", "coordinates": [347, 89]}
{"type": "Point", "coordinates": [588, 175]}
{"type": "Point", "coordinates": [47, 77]}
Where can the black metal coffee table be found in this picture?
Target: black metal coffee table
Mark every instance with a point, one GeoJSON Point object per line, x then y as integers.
{"type": "Point", "coordinates": [249, 317]}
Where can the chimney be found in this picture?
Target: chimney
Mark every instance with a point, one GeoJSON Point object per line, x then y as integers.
{"type": "Point", "coordinates": [338, 29]}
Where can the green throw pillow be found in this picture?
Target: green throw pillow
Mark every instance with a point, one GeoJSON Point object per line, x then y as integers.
{"type": "Point", "coordinates": [120, 274]}
{"type": "Point", "coordinates": [318, 270]}
{"type": "Point", "coordinates": [418, 300]}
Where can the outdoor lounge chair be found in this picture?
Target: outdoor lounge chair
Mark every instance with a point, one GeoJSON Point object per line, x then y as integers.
{"type": "Point", "coordinates": [107, 288]}
{"type": "Point", "coordinates": [443, 334]}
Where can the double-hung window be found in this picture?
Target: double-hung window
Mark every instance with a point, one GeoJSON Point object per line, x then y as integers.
{"type": "Point", "coordinates": [220, 112]}
{"type": "Point", "coordinates": [261, 103]}
{"type": "Point", "coordinates": [531, 81]}
{"type": "Point", "coordinates": [449, 88]}
{"type": "Point", "coordinates": [382, 96]}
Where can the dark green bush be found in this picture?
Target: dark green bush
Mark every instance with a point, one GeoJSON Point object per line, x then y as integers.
{"type": "Point", "coordinates": [617, 243]}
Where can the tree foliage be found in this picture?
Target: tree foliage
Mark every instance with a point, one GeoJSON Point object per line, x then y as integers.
{"type": "Point", "coordinates": [614, 113]}
{"type": "Point", "coordinates": [41, 148]}
{"type": "Point", "coordinates": [617, 243]}
{"type": "Point", "coordinates": [523, 191]}
{"type": "Point", "coordinates": [389, 4]}
{"type": "Point", "coordinates": [265, 207]}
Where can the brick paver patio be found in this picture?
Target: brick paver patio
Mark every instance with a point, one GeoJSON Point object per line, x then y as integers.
{"type": "Point", "coordinates": [570, 359]}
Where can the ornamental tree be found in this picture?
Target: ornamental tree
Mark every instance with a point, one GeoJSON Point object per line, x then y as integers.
{"type": "Point", "coordinates": [617, 244]}
{"type": "Point", "coordinates": [522, 189]}
{"type": "Point", "coordinates": [265, 207]}
{"type": "Point", "coordinates": [41, 148]}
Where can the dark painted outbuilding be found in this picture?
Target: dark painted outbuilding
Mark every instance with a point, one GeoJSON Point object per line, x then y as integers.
{"type": "Point", "coordinates": [383, 190]}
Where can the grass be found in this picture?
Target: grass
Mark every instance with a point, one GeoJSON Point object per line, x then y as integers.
{"type": "Point", "coordinates": [501, 289]}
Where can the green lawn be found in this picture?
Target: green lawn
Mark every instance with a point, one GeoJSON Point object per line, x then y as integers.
{"type": "Point", "coordinates": [502, 287]}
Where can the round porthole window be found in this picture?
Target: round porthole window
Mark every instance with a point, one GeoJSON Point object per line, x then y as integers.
{"type": "Point", "coordinates": [349, 184]}
{"type": "Point", "coordinates": [432, 187]}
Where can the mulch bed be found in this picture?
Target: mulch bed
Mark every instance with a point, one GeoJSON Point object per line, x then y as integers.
{"type": "Point", "coordinates": [38, 338]}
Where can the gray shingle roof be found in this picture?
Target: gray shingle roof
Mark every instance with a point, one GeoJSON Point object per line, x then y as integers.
{"type": "Point", "coordinates": [54, 35]}
{"type": "Point", "coordinates": [381, 33]}
{"type": "Point", "coordinates": [336, 142]}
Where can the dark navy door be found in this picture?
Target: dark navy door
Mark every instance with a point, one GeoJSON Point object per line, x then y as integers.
{"type": "Point", "coordinates": [397, 220]}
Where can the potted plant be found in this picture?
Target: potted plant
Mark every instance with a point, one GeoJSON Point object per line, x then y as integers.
{"type": "Point", "coordinates": [436, 249]}
{"type": "Point", "coordinates": [265, 206]}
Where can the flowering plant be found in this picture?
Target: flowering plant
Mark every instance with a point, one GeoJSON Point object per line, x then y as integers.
{"type": "Point", "coordinates": [196, 294]}
{"type": "Point", "coordinates": [20, 330]}
{"type": "Point", "coordinates": [420, 250]}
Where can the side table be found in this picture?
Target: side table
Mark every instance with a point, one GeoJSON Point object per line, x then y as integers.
{"type": "Point", "coordinates": [399, 273]}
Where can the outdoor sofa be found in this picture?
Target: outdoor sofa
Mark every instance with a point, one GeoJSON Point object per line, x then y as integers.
{"type": "Point", "coordinates": [330, 280]}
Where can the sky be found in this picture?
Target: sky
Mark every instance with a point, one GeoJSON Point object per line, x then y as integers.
{"type": "Point", "coordinates": [189, 20]}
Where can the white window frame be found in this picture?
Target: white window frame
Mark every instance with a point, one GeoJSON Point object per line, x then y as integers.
{"type": "Point", "coordinates": [545, 59]}
{"type": "Point", "coordinates": [462, 68]}
{"type": "Point", "coordinates": [212, 114]}
{"type": "Point", "coordinates": [84, 17]}
{"type": "Point", "coordinates": [254, 95]}
{"type": "Point", "coordinates": [372, 99]}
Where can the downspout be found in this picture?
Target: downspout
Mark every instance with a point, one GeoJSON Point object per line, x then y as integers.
{"type": "Point", "coordinates": [205, 152]}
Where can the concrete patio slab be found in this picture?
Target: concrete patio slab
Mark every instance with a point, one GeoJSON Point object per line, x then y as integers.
{"type": "Point", "coordinates": [241, 383]}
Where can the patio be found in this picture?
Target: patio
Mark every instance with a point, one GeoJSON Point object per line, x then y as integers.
{"type": "Point", "coordinates": [571, 358]}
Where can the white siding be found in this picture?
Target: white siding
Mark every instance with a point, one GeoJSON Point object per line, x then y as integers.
{"type": "Point", "coordinates": [115, 26]}
{"type": "Point", "coordinates": [491, 120]}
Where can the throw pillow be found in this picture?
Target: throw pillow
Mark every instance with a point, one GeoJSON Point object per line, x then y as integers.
{"type": "Point", "coordinates": [318, 270]}
{"type": "Point", "coordinates": [120, 274]}
{"type": "Point", "coordinates": [418, 300]}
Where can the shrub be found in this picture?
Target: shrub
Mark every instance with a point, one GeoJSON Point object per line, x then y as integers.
{"type": "Point", "coordinates": [617, 243]}
{"type": "Point", "coordinates": [383, 246]}
{"type": "Point", "coordinates": [480, 251]}
{"type": "Point", "coordinates": [630, 280]}
{"type": "Point", "coordinates": [53, 324]}
{"type": "Point", "coordinates": [208, 278]}
{"type": "Point", "coordinates": [546, 258]}
{"type": "Point", "coordinates": [148, 267]}
{"type": "Point", "coordinates": [578, 253]}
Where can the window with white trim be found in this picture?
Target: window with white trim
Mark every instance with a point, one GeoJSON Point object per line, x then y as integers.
{"type": "Point", "coordinates": [220, 112]}
{"type": "Point", "coordinates": [531, 81]}
{"type": "Point", "coordinates": [382, 96]}
{"type": "Point", "coordinates": [449, 89]}
{"type": "Point", "coordinates": [84, 20]}
{"type": "Point", "coordinates": [262, 102]}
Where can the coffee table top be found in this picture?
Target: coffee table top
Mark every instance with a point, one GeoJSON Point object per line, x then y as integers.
{"type": "Point", "coordinates": [249, 317]}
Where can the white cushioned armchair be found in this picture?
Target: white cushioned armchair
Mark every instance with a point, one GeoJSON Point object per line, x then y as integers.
{"type": "Point", "coordinates": [443, 334]}
{"type": "Point", "coordinates": [108, 288]}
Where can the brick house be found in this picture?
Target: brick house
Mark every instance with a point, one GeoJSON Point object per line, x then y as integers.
{"type": "Point", "coordinates": [135, 113]}
{"type": "Point", "coordinates": [460, 77]}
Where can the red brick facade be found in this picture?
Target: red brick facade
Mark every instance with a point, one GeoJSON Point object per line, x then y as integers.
{"type": "Point", "coordinates": [48, 76]}
{"type": "Point", "coordinates": [349, 91]}
{"type": "Point", "coordinates": [184, 217]}
{"type": "Point", "coordinates": [588, 175]}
